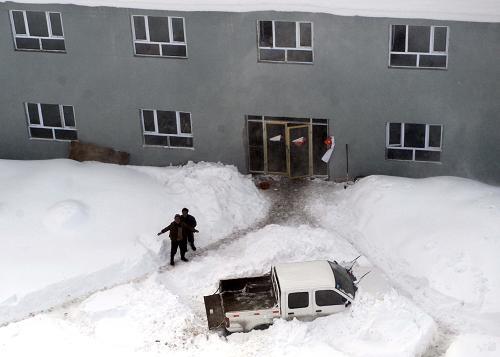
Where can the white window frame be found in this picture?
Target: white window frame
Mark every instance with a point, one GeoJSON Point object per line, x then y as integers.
{"type": "Point", "coordinates": [297, 41]}
{"type": "Point", "coordinates": [179, 134]}
{"type": "Point", "coordinates": [170, 36]}
{"type": "Point", "coordinates": [43, 126]}
{"type": "Point", "coordinates": [40, 38]}
{"type": "Point", "coordinates": [413, 149]}
{"type": "Point", "coordinates": [431, 47]}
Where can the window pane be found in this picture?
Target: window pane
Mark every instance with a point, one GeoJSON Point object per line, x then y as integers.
{"type": "Point", "coordinates": [69, 116]}
{"type": "Point", "coordinates": [440, 38]}
{"type": "Point", "coordinates": [140, 27]}
{"type": "Point", "coordinates": [298, 300]}
{"type": "Point", "coordinates": [181, 142]}
{"type": "Point", "coordinates": [422, 155]}
{"type": "Point", "coordinates": [403, 60]}
{"type": "Point", "coordinates": [185, 121]}
{"type": "Point", "coordinates": [64, 134]}
{"type": "Point", "coordinates": [18, 18]}
{"type": "Point", "coordinates": [41, 133]}
{"type": "Point", "coordinates": [27, 43]}
{"type": "Point", "coordinates": [435, 136]}
{"type": "Point", "coordinates": [156, 140]}
{"type": "Point", "coordinates": [414, 135]}
{"type": "Point", "coordinates": [33, 113]}
{"type": "Point", "coordinates": [328, 298]}
{"type": "Point", "coordinates": [56, 24]}
{"type": "Point", "coordinates": [37, 23]}
{"type": "Point", "coordinates": [399, 154]}
{"type": "Point", "coordinates": [300, 56]}
{"type": "Point", "coordinates": [51, 115]}
{"type": "Point", "coordinates": [265, 33]}
{"type": "Point", "coordinates": [53, 45]}
{"type": "Point", "coordinates": [305, 35]}
{"type": "Point", "coordinates": [149, 120]}
{"type": "Point", "coordinates": [178, 29]}
{"type": "Point", "coordinates": [167, 123]}
{"type": "Point", "coordinates": [418, 38]}
{"type": "Point", "coordinates": [255, 134]}
{"type": "Point", "coordinates": [285, 34]}
{"type": "Point", "coordinates": [394, 133]}
{"type": "Point", "coordinates": [398, 38]}
{"type": "Point", "coordinates": [272, 55]}
{"type": "Point", "coordinates": [432, 61]}
{"type": "Point", "coordinates": [172, 50]}
{"type": "Point", "coordinates": [147, 49]}
{"type": "Point", "coordinates": [256, 159]}
{"type": "Point", "coordinates": [158, 29]}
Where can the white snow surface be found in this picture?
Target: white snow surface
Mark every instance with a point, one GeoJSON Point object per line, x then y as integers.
{"type": "Point", "coordinates": [438, 238]}
{"type": "Point", "coordinates": [68, 228]}
{"type": "Point", "coordinates": [165, 314]}
{"type": "Point", "coordinates": [461, 10]}
{"type": "Point", "coordinates": [474, 345]}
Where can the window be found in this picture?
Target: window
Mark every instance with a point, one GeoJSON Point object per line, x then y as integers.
{"type": "Point", "coordinates": [418, 46]}
{"type": "Point", "coordinates": [167, 128]}
{"type": "Point", "coordinates": [298, 300]}
{"type": "Point", "coordinates": [159, 36]}
{"type": "Point", "coordinates": [37, 31]}
{"type": "Point", "coordinates": [51, 121]}
{"type": "Point", "coordinates": [328, 298]}
{"type": "Point", "coordinates": [285, 41]}
{"type": "Point", "coordinates": [414, 142]}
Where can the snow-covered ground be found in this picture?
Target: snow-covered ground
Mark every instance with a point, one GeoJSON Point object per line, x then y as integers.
{"type": "Point", "coordinates": [68, 228]}
{"type": "Point", "coordinates": [430, 245]}
{"type": "Point", "coordinates": [438, 239]}
{"type": "Point", "coordinates": [461, 10]}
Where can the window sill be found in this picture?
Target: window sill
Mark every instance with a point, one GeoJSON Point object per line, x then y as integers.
{"type": "Point", "coordinates": [33, 50]}
{"type": "Point", "coordinates": [158, 56]}
{"type": "Point", "coordinates": [167, 147]}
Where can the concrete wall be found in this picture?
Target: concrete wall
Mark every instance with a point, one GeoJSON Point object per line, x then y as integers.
{"type": "Point", "coordinates": [221, 81]}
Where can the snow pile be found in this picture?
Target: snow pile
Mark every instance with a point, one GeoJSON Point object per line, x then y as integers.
{"type": "Point", "coordinates": [474, 345]}
{"type": "Point", "coordinates": [462, 10]}
{"type": "Point", "coordinates": [165, 313]}
{"type": "Point", "coordinates": [439, 238]}
{"type": "Point", "coordinates": [68, 228]}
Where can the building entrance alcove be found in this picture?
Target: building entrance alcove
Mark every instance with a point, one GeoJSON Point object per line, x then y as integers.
{"type": "Point", "coordinates": [287, 146]}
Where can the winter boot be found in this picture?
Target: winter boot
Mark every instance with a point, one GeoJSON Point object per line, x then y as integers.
{"type": "Point", "coordinates": [192, 246]}
{"type": "Point", "coordinates": [172, 261]}
{"type": "Point", "coordinates": [184, 259]}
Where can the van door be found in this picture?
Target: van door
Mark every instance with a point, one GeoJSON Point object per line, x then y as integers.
{"type": "Point", "coordinates": [327, 302]}
{"type": "Point", "coordinates": [299, 304]}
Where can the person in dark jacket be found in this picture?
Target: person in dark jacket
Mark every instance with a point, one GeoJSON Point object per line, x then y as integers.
{"type": "Point", "coordinates": [190, 221]}
{"type": "Point", "coordinates": [178, 237]}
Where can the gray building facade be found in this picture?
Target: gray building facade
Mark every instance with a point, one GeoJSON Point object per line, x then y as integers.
{"type": "Point", "coordinates": [222, 82]}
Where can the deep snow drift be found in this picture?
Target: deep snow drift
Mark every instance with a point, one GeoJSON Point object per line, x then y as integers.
{"type": "Point", "coordinates": [438, 238]}
{"type": "Point", "coordinates": [165, 313]}
{"type": "Point", "coordinates": [67, 228]}
{"type": "Point", "coordinates": [430, 245]}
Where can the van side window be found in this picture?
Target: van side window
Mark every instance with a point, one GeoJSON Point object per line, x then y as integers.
{"type": "Point", "coordinates": [298, 300]}
{"type": "Point", "coordinates": [328, 297]}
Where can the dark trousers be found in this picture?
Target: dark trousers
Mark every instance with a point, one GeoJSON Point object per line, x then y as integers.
{"type": "Point", "coordinates": [190, 238]}
{"type": "Point", "coordinates": [173, 248]}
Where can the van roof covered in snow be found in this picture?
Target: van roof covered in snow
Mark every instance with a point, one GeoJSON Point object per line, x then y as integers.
{"type": "Point", "coordinates": [305, 275]}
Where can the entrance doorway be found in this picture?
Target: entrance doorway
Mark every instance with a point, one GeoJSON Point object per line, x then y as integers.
{"type": "Point", "coordinates": [287, 146]}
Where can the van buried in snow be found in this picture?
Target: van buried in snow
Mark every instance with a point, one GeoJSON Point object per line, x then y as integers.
{"type": "Point", "coordinates": [304, 290]}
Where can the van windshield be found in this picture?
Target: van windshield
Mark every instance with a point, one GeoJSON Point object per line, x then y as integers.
{"type": "Point", "coordinates": [343, 280]}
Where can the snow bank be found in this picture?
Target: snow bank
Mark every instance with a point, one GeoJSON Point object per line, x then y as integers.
{"type": "Point", "coordinates": [474, 345]}
{"type": "Point", "coordinates": [165, 313]}
{"type": "Point", "coordinates": [68, 228]}
{"type": "Point", "coordinates": [438, 237]}
{"type": "Point", "coordinates": [461, 10]}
